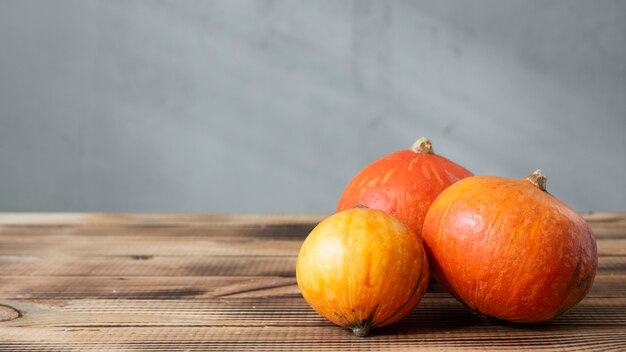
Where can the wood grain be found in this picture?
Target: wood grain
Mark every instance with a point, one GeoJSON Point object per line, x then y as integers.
{"type": "Point", "coordinates": [83, 282]}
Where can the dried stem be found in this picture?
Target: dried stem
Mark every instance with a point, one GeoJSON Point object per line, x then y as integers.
{"type": "Point", "coordinates": [538, 179]}
{"type": "Point", "coordinates": [423, 146]}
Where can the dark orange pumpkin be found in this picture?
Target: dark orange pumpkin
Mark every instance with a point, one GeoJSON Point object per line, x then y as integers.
{"type": "Point", "coordinates": [362, 268]}
{"type": "Point", "coordinates": [508, 249]}
{"type": "Point", "coordinates": [403, 183]}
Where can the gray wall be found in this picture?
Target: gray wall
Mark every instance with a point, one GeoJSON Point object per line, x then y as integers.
{"type": "Point", "coordinates": [272, 106]}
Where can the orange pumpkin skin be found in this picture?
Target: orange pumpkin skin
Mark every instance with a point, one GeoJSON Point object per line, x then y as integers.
{"type": "Point", "coordinates": [508, 249]}
{"type": "Point", "coordinates": [403, 183]}
{"type": "Point", "coordinates": [362, 268]}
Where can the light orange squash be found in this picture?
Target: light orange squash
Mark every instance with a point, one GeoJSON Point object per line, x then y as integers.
{"type": "Point", "coordinates": [362, 268]}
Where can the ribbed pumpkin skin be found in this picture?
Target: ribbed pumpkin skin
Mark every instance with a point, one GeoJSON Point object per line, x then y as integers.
{"type": "Point", "coordinates": [403, 184]}
{"type": "Point", "coordinates": [362, 268]}
{"type": "Point", "coordinates": [508, 249]}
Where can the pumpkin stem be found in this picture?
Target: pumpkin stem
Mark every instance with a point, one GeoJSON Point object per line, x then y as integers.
{"type": "Point", "coordinates": [361, 331]}
{"type": "Point", "coordinates": [361, 328]}
{"type": "Point", "coordinates": [423, 146]}
{"type": "Point", "coordinates": [538, 179]}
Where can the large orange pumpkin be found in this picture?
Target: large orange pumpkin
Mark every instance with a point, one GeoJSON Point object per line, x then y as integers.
{"type": "Point", "coordinates": [362, 268]}
{"type": "Point", "coordinates": [508, 249]}
{"type": "Point", "coordinates": [403, 183]}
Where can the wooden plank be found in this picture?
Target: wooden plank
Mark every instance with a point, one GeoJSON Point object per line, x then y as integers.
{"type": "Point", "coordinates": [610, 265]}
{"type": "Point", "coordinates": [157, 245]}
{"type": "Point", "coordinates": [323, 338]}
{"type": "Point", "coordinates": [611, 247]}
{"type": "Point", "coordinates": [198, 287]}
{"type": "Point", "coordinates": [433, 311]}
{"type": "Point", "coordinates": [150, 287]}
{"type": "Point", "coordinates": [261, 231]}
{"type": "Point", "coordinates": [605, 225]}
{"type": "Point", "coordinates": [65, 235]}
{"type": "Point", "coordinates": [226, 282]}
{"type": "Point", "coordinates": [149, 265]}
{"type": "Point", "coordinates": [71, 242]}
{"type": "Point", "coordinates": [90, 264]}
{"type": "Point", "coordinates": [278, 324]}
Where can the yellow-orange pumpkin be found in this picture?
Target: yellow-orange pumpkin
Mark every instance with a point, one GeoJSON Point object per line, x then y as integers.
{"type": "Point", "coordinates": [362, 268]}
{"type": "Point", "coordinates": [403, 183]}
{"type": "Point", "coordinates": [508, 249]}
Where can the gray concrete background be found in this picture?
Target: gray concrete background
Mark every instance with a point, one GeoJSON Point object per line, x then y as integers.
{"type": "Point", "coordinates": [272, 106]}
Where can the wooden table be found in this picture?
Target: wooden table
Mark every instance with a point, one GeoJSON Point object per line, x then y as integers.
{"type": "Point", "coordinates": [209, 282]}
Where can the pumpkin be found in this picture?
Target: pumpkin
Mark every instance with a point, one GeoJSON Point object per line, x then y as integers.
{"type": "Point", "coordinates": [362, 268]}
{"type": "Point", "coordinates": [508, 249]}
{"type": "Point", "coordinates": [403, 183]}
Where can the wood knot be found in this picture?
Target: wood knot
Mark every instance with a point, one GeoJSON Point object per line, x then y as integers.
{"type": "Point", "coordinates": [8, 313]}
{"type": "Point", "coordinates": [141, 257]}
